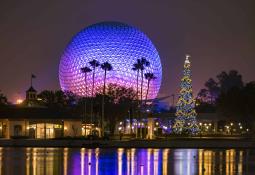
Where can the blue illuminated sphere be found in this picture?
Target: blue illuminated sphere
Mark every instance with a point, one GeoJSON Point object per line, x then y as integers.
{"type": "Point", "coordinates": [119, 44]}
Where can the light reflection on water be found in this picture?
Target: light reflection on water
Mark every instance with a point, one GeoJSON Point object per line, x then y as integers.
{"type": "Point", "coordinates": [74, 161]}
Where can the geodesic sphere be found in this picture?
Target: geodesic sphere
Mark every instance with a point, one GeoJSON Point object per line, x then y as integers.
{"type": "Point", "coordinates": [119, 44]}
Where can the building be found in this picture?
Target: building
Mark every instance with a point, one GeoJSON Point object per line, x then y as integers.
{"type": "Point", "coordinates": [160, 124]}
{"type": "Point", "coordinates": [31, 120]}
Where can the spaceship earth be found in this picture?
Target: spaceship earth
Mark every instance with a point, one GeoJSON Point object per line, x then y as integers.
{"type": "Point", "coordinates": [120, 45]}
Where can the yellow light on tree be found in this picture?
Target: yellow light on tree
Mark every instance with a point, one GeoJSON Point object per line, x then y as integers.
{"type": "Point", "coordinates": [185, 122]}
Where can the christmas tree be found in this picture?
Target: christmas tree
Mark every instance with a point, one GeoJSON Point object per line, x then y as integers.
{"type": "Point", "coordinates": [185, 122]}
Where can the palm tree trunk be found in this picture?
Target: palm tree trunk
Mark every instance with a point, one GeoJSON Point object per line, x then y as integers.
{"type": "Point", "coordinates": [92, 97]}
{"type": "Point", "coordinates": [148, 86]}
{"type": "Point", "coordinates": [102, 119]}
{"type": "Point", "coordinates": [137, 94]}
{"type": "Point", "coordinates": [85, 107]}
{"type": "Point", "coordinates": [141, 102]}
{"type": "Point", "coordinates": [137, 80]}
{"type": "Point", "coordinates": [141, 86]}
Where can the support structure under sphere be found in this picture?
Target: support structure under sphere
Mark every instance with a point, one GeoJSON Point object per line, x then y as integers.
{"type": "Point", "coordinates": [119, 44]}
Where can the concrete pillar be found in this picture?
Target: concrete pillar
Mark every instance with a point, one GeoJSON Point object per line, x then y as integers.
{"type": "Point", "coordinates": [215, 124]}
{"type": "Point", "coordinates": [8, 129]}
{"type": "Point", "coordinates": [150, 125]}
{"type": "Point", "coordinates": [44, 130]}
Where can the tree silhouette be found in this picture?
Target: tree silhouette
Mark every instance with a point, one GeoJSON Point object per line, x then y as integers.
{"type": "Point", "coordinates": [137, 67]}
{"type": "Point", "coordinates": [140, 66]}
{"type": "Point", "coordinates": [144, 63]}
{"type": "Point", "coordinates": [229, 80]}
{"type": "Point", "coordinates": [94, 64]}
{"type": "Point", "coordinates": [106, 67]}
{"type": "Point", "coordinates": [85, 71]}
{"type": "Point", "coordinates": [225, 81]}
{"type": "Point", "coordinates": [3, 99]}
{"type": "Point", "coordinates": [118, 101]}
{"type": "Point", "coordinates": [149, 77]}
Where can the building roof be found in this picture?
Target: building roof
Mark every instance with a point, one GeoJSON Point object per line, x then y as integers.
{"type": "Point", "coordinates": [31, 89]}
{"type": "Point", "coordinates": [15, 112]}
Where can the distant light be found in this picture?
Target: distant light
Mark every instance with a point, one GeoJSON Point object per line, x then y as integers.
{"type": "Point", "coordinates": [120, 128]}
{"type": "Point", "coordinates": [65, 128]}
{"type": "Point", "coordinates": [241, 127]}
{"type": "Point", "coordinates": [231, 124]}
{"type": "Point", "coordinates": [200, 124]}
{"type": "Point", "coordinates": [19, 101]}
{"type": "Point", "coordinates": [247, 130]}
{"type": "Point", "coordinates": [120, 123]}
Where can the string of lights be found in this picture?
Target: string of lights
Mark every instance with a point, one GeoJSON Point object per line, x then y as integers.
{"type": "Point", "coordinates": [185, 122]}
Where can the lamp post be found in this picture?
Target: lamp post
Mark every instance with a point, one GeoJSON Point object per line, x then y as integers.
{"type": "Point", "coordinates": [200, 129]}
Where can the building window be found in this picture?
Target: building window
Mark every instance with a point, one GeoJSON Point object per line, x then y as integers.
{"type": "Point", "coordinates": [17, 130]}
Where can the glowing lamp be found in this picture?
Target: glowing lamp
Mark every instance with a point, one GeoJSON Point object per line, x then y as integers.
{"type": "Point", "coordinates": [19, 101]}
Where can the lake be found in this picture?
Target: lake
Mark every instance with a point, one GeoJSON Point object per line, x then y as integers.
{"type": "Point", "coordinates": [79, 161]}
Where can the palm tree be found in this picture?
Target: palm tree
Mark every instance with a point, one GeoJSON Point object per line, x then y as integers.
{"type": "Point", "coordinates": [137, 67]}
{"type": "Point", "coordinates": [94, 64]}
{"type": "Point", "coordinates": [106, 66]}
{"type": "Point", "coordinates": [144, 63]}
{"type": "Point", "coordinates": [85, 70]}
{"type": "Point", "coordinates": [140, 66]}
{"type": "Point", "coordinates": [148, 76]}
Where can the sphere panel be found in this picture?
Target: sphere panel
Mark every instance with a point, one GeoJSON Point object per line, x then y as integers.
{"type": "Point", "coordinates": [119, 44]}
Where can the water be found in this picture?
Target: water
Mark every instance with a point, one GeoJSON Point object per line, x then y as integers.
{"type": "Point", "coordinates": [79, 161]}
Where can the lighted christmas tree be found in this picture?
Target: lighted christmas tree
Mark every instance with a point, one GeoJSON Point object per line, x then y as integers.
{"type": "Point", "coordinates": [185, 122]}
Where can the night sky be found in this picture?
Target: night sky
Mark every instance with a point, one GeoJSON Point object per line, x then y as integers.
{"type": "Point", "coordinates": [219, 35]}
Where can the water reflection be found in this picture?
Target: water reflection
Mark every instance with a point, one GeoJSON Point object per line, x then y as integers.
{"type": "Point", "coordinates": [74, 161]}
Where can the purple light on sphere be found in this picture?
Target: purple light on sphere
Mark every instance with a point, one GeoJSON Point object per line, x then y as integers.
{"type": "Point", "coordinates": [119, 44]}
